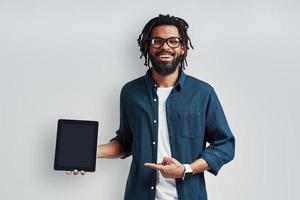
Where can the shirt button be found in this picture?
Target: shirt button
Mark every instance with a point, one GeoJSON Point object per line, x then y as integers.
{"type": "Point", "coordinates": [155, 85]}
{"type": "Point", "coordinates": [154, 99]}
{"type": "Point", "coordinates": [152, 188]}
{"type": "Point", "coordinates": [154, 121]}
{"type": "Point", "coordinates": [153, 143]}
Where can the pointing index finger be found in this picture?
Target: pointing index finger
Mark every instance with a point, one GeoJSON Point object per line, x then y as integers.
{"type": "Point", "coordinates": [154, 166]}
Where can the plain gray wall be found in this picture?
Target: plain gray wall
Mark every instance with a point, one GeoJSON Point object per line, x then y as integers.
{"type": "Point", "coordinates": [69, 59]}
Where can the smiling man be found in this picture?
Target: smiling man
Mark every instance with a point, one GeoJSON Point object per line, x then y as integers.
{"type": "Point", "coordinates": [165, 50]}
{"type": "Point", "coordinates": [166, 120]}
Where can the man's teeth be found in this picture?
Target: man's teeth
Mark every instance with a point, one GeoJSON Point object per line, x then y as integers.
{"type": "Point", "coordinates": [165, 56]}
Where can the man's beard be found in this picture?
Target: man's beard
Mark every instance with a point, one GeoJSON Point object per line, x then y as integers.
{"type": "Point", "coordinates": [164, 68]}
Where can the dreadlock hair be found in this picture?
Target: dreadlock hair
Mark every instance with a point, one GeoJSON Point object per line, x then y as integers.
{"type": "Point", "coordinates": [182, 26]}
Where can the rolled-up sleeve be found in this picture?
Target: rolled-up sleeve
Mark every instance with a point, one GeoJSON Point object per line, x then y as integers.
{"type": "Point", "coordinates": [219, 136]}
{"type": "Point", "coordinates": [124, 134]}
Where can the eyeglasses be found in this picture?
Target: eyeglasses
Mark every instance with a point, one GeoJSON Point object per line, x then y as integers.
{"type": "Point", "coordinates": [157, 42]}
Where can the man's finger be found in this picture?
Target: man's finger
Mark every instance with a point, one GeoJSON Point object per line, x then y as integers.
{"type": "Point", "coordinates": [175, 161]}
{"type": "Point", "coordinates": [75, 172]}
{"type": "Point", "coordinates": [154, 166]}
{"type": "Point", "coordinates": [166, 162]}
{"type": "Point", "coordinates": [167, 159]}
{"type": "Point", "coordinates": [171, 160]}
{"type": "Point", "coordinates": [68, 172]}
{"type": "Point", "coordinates": [82, 172]}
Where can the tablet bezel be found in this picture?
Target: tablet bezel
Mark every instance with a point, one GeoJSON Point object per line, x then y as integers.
{"type": "Point", "coordinates": [60, 123]}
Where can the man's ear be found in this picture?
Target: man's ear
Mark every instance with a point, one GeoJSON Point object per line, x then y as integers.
{"type": "Point", "coordinates": [182, 51]}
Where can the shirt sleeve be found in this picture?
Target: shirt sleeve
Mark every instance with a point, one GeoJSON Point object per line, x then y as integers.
{"type": "Point", "coordinates": [218, 134]}
{"type": "Point", "coordinates": [124, 134]}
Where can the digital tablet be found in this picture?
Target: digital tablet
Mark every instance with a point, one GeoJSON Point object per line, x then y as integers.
{"type": "Point", "coordinates": [76, 145]}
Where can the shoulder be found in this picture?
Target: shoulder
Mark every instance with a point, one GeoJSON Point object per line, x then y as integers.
{"type": "Point", "coordinates": [192, 82]}
{"type": "Point", "coordinates": [133, 85]}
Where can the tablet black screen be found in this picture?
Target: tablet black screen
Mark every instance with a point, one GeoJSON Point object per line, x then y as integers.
{"type": "Point", "coordinates": [76, 145]}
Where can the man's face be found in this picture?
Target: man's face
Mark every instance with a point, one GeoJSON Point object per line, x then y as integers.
{"type": "Point", "coordinates": [165, 59]}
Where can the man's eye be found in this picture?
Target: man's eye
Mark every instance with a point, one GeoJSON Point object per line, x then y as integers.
{"type": "Point", "coordinates": [173, 41]}
{"type": "Point", "coordinates": [158, 41]}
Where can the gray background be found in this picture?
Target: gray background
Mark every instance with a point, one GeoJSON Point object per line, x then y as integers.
{"type": "Point", "coordinates": [69, 59]}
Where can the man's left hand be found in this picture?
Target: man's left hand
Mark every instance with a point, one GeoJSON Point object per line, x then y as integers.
{"type": "Point", "coordinates": [169, 167]}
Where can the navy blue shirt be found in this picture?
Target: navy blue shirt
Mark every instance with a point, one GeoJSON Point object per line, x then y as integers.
{"type": "Point", "coordinates": [194, 118]}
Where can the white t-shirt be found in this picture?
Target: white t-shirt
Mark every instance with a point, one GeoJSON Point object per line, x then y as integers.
{"type": "Point", "coordinates": [165, 187]}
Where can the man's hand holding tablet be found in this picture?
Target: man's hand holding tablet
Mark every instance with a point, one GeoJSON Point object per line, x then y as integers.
{"type": "Point", "coordinates": [76, 146]}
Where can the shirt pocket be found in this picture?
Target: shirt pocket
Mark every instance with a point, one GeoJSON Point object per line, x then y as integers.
{"type": "Point", "coordinates": [190, 124]}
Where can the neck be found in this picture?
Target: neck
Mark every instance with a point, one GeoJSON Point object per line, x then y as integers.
{"type": "Point", "coordinates": [166, 81]}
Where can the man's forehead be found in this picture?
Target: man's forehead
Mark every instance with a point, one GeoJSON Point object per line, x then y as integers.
{"type": "Point", "coordinates": [165, 30]}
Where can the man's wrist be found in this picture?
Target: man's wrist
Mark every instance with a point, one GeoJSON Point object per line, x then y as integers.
{"type": "Point", "coordinates": [188, 171]}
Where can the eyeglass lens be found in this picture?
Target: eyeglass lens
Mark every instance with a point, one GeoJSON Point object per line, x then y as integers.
{"type": "Point", "coordinates": [172, 42]}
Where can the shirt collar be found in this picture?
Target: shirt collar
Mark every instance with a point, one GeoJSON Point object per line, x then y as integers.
{"type": "Point", "coordinates": [152, 83]}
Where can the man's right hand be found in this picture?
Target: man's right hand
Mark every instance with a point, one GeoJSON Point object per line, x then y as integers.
{"type": "Point", "coordinates": [75, 172]}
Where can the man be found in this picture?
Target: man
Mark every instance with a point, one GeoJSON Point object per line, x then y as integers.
{"type": "Point", "coordinates": [166, 120]}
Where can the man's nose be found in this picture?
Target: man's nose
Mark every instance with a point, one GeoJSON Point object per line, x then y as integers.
{"type": "Point", "coordinates": [165, 46]}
